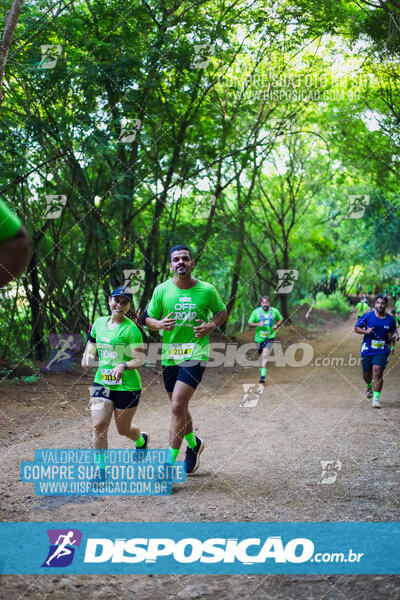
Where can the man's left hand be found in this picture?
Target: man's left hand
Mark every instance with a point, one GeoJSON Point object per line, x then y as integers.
{"type": "Point", "coordinates": [204, 329]}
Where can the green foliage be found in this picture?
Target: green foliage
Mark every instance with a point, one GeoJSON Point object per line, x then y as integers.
{"type": "Point", "coordinates": [252, 160]}
{"type": "Point", "coordinates": [335, 302]}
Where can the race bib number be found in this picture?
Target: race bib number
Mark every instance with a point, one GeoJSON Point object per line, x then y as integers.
{"type": "Point", "coordinates": [106, 378]}
{"type": "Point", "coordinates": [376, 344]}
{"type": "Point", "coordinates": [180, 351]}
{"type": "Point", "coordinates": [264, 334]}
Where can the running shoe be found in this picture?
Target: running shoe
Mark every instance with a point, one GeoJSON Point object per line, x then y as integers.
{"type": "Point", "coordinates": [376, 403]}
{"type": "Point", "coordinates": [369, 393]}
{"type": "Point", "coordinates": [192, 459]}
{"type": "Point", "coordinates": [261, 380]}
{"type": "Point", "coordinates": [147, 440]}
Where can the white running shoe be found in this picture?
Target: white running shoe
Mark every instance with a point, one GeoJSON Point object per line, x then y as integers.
{"type": "Point", "coordinates": [376, 403]}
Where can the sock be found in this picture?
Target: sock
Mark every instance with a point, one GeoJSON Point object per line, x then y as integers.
{"type": "Point", "coordinates": [263, 371]}
{"type": "Point", "coordinates": [140, 441]}
{"type": "Point", "coordinates": [369, 385]}
{"type": "Point", "coordinates": [376, 395]}
{"type": "Point", "coordinates": [100, 458]}
{"type": "Point", "coordinates": [172, 455]}
{"type": "Point", "coordinates": [191, 439]}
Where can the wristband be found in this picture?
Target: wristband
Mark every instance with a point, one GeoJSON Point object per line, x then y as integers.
{"type": "Point", "coordinates": [124, 364]}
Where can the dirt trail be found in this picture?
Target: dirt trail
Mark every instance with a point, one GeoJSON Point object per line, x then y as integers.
{"type": "Point", "coordinates": [260, 464]}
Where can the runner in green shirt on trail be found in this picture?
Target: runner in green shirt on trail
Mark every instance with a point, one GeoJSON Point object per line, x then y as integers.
{"type": "Point", "coordinates": [117, 386]}
{"type": "Point", "coordinates": [187, 311]}
{"type": "Point", "coordinates": [362, 307]}
{"type": "Point", "coordinates": [266, 320]}
{"type": "Point", "coordinates": [395, 338]}
{"type": "Point", "coordinates": [15, 246]}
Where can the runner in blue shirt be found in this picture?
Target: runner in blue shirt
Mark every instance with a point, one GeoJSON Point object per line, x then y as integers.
{"type": "Point", "coordinates": [378, 328]}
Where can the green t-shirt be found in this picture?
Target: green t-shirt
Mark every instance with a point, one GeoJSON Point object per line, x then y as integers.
{"type": "Point", "coordinates": [270, 318]}
{"type": "Point", "coordinates": [9, 222]}
{"type": "Point", "coordinates": [199, 302]}
{"type": "Point", "coordinates": [115, 346]}
{"type": "Point", "coordinates": [362, 308]}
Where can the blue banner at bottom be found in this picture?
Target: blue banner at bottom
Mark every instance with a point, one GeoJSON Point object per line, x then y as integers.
{"type": "Point", "coordinates": [202, 548]}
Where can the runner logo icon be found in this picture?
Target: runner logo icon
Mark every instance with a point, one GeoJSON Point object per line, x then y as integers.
{"type": "Point", "coordinates": [286, 277]}
{"type": "Point", "coordinates": [251, 394]}
{"type": "Point", "coordinates": [330, 470]}
{"type": "Point", "coordinates": [62, 547]}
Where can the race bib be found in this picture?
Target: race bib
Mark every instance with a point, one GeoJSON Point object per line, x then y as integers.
{"type": "Point", "coordinates": [376, 344]}
{"type": "Point", "coordinates": [264, 334]}
{"type": "Point", "coordinates": [106, 378]}
{"type": "Point", "coordinates": [180, 351]}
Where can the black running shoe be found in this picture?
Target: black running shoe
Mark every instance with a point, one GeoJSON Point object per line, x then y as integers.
{"type": "Point", "coordinates": [146, 441]}
{"type": "Point", "coordinates": [192, 460]}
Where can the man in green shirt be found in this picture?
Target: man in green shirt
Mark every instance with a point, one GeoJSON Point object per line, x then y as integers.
{"type": "Point", "coordinates": [117, 386]}
{"type": "Point", "coordinates": [181, 308]}
{"type": "Point", "coordinates": [15, 246]}
{"type": "Point", "coordinates": [362, 307]}
{"type": "Point", "coordinates": [395, 338]}
{"type": "Point", "coordinates": [266, 320]}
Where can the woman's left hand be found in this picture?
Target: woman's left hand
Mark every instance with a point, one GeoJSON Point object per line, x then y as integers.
{"type": "Point", "coordinates": [117, 372]}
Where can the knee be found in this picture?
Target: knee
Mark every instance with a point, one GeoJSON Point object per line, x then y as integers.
{"type": "Point", "coordinates": [177, 408]}
{"type": "Point", "coordinates": [100, 428]}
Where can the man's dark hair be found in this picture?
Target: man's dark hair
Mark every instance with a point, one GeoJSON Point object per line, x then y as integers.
{"type": "Point", "coordinates": [176, 248]}
{"type": "Point", "coordinates": [265, 296]}
{"type": "Point", "coordinates": [385, 298]}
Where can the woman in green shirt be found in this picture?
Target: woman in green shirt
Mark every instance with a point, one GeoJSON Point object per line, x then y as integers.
{"type": "Point", "coordinates": [117, 386]}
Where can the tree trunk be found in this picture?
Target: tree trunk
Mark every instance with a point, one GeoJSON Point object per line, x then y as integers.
{"type": "Point", "coordinates": [38, 348]}
{"type": "Point", "coordinates": [7, 38]}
